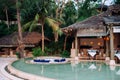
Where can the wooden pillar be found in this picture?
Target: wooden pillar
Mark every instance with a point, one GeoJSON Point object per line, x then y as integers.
{"type": "Point", "coordinates": [76, 45]}
{"type": "Point", "coordinates": [107, 47]}
{"type": "Point", "coordinates": [111, 43]}
{"type": "Point", "coordinates": [73, 45]}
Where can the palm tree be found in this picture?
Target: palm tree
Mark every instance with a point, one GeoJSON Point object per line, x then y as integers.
{"type": "Point", "coordinates": [51, 22]}
{"type": "Point", "coordinates": [20, 38]}
{"type": "Point", "coordinates": [5, 6]}
{"type": "Point", "coordinates": [41, 18]}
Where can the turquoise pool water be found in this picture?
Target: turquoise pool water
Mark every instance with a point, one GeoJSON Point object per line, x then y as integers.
{"type": "Point", "coordinates": [71, 71]}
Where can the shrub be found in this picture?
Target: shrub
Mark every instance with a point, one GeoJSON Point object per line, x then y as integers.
{"type": "Point", "coordinates": [48, 51]}
{"type": "Point", "coordinates": [65, 54]}
{"type": "Point", "coordinates": [37, 52]}
{"type": "Point", "coordinates": [18, 55]}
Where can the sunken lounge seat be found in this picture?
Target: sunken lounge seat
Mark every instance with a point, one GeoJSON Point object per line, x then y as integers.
{"type": "Point", "coordinates": [48, 60]}
{"type": "Point", "coordinates": [59, 60]}
{"type": "Point", "coordinates": [43, 60]}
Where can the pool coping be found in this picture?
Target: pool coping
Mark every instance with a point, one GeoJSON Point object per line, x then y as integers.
{"type": "Point", "coordinates": [25, 75]}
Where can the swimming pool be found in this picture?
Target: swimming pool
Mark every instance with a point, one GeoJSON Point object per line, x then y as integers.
{"type": "Point", "coordinates": [71, 71]}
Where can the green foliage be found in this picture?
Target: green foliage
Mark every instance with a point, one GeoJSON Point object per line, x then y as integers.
{"type": "Point", "coordinates": [18, 4]}
{"type": "Point", "coordinates": [117, 1]}
{"type": "Point", "coordinates": [36, 11]}
{"type": "Point", "coordinates": [4, 30]}
{"type": "Point", "coordinates": [18, 55]}
{"type": "Point", "coordinates": [70, 13]}
{"type": "Point", "coordinates": [56, 47]}
{"type": "Point", "coordinates": [37, 17]}
{"type": "Point", "coordinates": [65, 54]}
{"type": "Point", "coordinates": [37, 52]}
{"type": "Point", "coordinates": [86, 9]}
{"type": "Point", "coordinates": [48, 51]}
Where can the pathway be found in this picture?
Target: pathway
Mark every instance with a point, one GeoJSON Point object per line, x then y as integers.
{"type": "Point", "coordinates": [3, 74]}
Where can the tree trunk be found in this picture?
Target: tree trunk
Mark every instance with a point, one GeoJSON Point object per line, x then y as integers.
{"type": "Point", "coordinates": [6, 12]}
{"type": "Point", "coordinates": [56, 36]}
{"type": "Point", "coordinates": [20, 39]}
{"type": "Point", "coordinates": [43, 37]}
{"type": "Point", "coordinates": [59, 11]}
{"type": "Point", "coordinates": [102, 5]}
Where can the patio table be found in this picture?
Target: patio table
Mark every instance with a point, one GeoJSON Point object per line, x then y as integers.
{"type": "Point", "coordinates": [92, 52]}
{"type": "Point", "coordinates": [118, 55]}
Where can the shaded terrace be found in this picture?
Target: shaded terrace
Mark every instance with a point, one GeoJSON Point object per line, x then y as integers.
{"type": "Point", "coordinates": [95, 27]}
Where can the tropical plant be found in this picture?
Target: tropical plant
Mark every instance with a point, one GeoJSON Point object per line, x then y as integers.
{"type": "Point", "coordinates": [37, 52]}
{"type": "Point", "coordinates": [117, 1]}
{"type": "Point", "coordinates": [6, 6]}
{"type": "Point", "coordinates": [4, 30]}
{"type": "Point", "coordinates": [70, 13]}
{"type": "Point", "coordinates": [86, 9]}
{"type": "Point", "coordinates": [20, 38]}
{"type": "Point", "coordinates": [65, 54]}
{"type": "Point", "coordinates": [48, 51]}
{"type": "Point", "coordinates": [41, 18]}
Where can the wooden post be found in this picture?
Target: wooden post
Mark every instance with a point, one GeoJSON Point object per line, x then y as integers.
{"type": "Point", "coordinates": [73, 45]}
{"type": "Point", "coordinates": [76, 45]}
{"type": "Point", "coordinates": [111, 43]}
{"type": "Point", "coordinates": [107, 48]}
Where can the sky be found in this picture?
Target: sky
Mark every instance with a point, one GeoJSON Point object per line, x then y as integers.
{"type": "Point", "coordinates": [108, 2]}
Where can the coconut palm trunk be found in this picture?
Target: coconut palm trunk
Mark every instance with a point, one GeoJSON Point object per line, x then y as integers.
{"type": "Point", "coordinates": [43, 37]}
{"type": "Point", "coordinates": [20, 39]}
{"type": "Point", "coordinates": [6, 13]}
{"type": "Point", "coordinates": [56, 36]}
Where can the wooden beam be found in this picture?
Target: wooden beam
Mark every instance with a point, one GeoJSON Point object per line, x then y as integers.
{"type": "Point", "coordinates": [16, 45]}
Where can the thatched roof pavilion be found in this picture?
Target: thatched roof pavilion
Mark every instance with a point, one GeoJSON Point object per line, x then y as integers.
{"type": "Point", "coordinates": [93, 26]}
{"type": "Point", "coordinates": [30, 39]}
{"type": "Point", "coordinates": [98, 27]}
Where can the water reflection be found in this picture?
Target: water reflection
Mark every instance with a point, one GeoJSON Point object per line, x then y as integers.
{"type": "Point", "coordinates": [42, 69]}
{"type": "Point", "coordinates": [118, 72]}
{"type": "Point", "coordinates": [112, 67]}
{"type": "Point", "coordinates": [92, 66]}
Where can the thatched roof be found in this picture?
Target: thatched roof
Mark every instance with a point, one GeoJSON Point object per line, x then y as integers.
{"type": "Point", "coordinates": [30, 39]}
{"type": "Point", "coordinates": [114, 20]}
{"type": "Point", "coordinates": [113, 16]}
{"type": "Point", "coordinates": [93, 26]}
{"type": "Point", "coordinates": [114, 9]}
{"type": "Point", "coordinates": [88, 26]}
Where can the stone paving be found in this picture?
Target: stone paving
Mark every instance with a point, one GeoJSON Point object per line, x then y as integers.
{"type": "Point", "coordinates": [3, 74]}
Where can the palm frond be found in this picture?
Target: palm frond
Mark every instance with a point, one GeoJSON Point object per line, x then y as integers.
{"type": "Point", "coordinates": [59, 31]}
{"type": "Point", "coordinates": [32, 24]}
{"type": "Point", "coordinates": [26, 26]}
{"type": "Point", "coordinates": [52, 23]}
{"type": "Point", "coordinates": [37, 17]}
